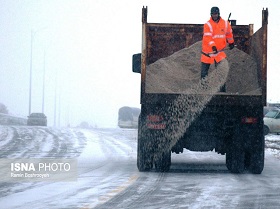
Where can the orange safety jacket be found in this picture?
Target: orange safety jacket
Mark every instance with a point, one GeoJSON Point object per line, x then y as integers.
{"type": "Point", "coordinates": [215, 34]}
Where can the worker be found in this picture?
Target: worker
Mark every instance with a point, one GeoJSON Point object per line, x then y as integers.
{"type": "Point", "coordinates": [217, 33]}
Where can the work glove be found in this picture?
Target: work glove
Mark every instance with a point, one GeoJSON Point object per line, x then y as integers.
{"type": "Point", "coordinates": [214, 49]}
{"type": "Point", "coordinates": [231, 46]}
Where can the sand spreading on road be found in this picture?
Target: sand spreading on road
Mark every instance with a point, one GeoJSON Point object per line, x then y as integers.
{"type": "Point", "coordinates": [180, 74]}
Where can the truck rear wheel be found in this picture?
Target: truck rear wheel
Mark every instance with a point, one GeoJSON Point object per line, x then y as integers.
{"type": "Point", "coordinates": [257, 156]}
{"type": "Point", "coordinates": [235, 161]}
{"type": "Point", "coordinates": [265, 130]}
{"type": "Point", "coordinates": [247, 160]}
{"type": "Point", "coordinates": [144, 158]}
{"type": "Point", "coordinates": [144, 151]}
{"type": "Point", "coordinates": [228, 160]}
{"type": "Point", "coordinates": [163, 161]}
{"type": "Point", "coordinates": [235, 156]}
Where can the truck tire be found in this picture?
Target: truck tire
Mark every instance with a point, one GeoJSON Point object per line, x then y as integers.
{"type": "Point", "coordinates": [247, 160]}
{"type": "Point", "coordinates": [257, 156]}
{"type": "Point", "coordinates": [265, 130]}
{"type": "Point", "coordinates": [144, 151]}
{"type": "Point", "coordinates": [228, 160]}
{"type": "Point", "coordinates": [163, 161]}
{"type": "Point", "coordinates": [235, 161]}
{"type": "Point", "coordinates": [144, 158]}
{"type": "Point", "coordinates": [235, 156]}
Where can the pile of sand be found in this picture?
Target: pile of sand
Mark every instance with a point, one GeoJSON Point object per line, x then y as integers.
{"type": "Point", "coordinates": [179, 72]}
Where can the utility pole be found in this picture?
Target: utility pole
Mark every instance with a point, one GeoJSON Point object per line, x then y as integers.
{"type": "Point", "coordinates": [30, 74]}
{"type": "Point", "coordinates": [31, 59]}
{"type": "Point", "coordinates": [55, 91]}
{"type": "Point", "coordinates": [59, 105]}
{"type": "Point", "coordinates": [43, 94]}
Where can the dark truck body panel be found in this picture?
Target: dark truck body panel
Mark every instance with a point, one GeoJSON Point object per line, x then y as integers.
{"type": "Point", "coordinates": [229, 124]}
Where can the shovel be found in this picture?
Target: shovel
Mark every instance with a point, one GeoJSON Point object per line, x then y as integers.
{"type": "Point", "coordinates": [210, 53]}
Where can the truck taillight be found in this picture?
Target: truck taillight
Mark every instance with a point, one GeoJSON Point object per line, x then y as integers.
{"type": "Point", "coordinates": [154, 118]}
{"type": "Point", "coordinates": [155, 122]}
{"type": "Point", "coordinates": [249, 120]}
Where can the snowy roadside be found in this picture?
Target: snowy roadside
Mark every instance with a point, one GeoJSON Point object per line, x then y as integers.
{"type": "Point", "coordinates": [40, 142]}
{"type": "Point", "coordinates": [272, 145]}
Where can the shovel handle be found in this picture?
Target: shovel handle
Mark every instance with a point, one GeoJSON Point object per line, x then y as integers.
{"type": "Point", "coordinates": [220, 50]}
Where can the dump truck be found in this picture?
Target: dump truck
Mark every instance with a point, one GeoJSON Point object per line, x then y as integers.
{"type": "Point", "coordinates": [229, 123]}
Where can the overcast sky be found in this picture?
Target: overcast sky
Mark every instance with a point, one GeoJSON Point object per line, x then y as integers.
{"type": "Point", "coordinates": [86, 48]}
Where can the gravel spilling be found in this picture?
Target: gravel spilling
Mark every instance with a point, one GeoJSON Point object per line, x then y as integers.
{"type": "Point", "coordinates": [180, 74]}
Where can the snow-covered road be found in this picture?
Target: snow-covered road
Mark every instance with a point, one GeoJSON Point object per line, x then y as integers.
{"type": "Point", "coordinates": [102, 165]}
{"type": "Point", "coordinates": [108, 176]}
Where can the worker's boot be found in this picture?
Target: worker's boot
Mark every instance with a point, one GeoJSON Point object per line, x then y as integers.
{"type": "Point", "coordinates": [223, 88]}
{"type": "Point", "coordinates": [204, 83]}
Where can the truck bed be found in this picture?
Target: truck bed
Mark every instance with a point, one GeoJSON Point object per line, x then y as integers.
{"type": "Point", "coordinates": [163, 40]}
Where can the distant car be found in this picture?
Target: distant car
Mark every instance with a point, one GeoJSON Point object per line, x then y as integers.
{"type": "Point", "coordinates": [272, 122]}
{"type": "Point", "coordinates": [37, 119]}
{"type": "Point", "coordinates": [266, 109]}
